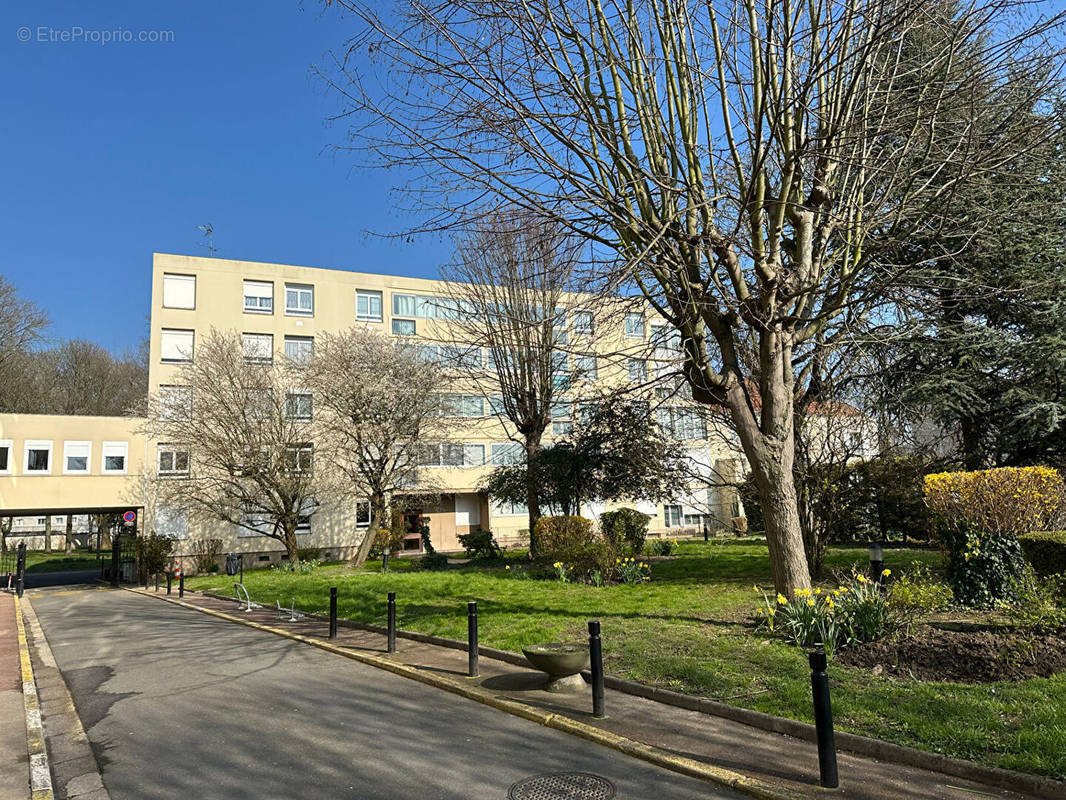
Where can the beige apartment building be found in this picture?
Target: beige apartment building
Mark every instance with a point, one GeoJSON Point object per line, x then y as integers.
{"type": "Point", "coordinates": [279, 310]}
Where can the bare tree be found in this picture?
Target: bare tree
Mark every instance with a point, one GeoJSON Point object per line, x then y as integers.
{"type": "Point", "coordinates": [22, 325]}
{"type": "Point", "coordinates": [376, 411]}
{"type": "Point", "coordinates": [241, 452]}
{"type": "Point", "coordinates": [507, 290]}
{"type": "Point", "coordinates": [750, 165]}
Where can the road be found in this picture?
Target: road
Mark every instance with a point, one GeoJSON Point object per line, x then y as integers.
{"type": "Point", "coordinates": [177, 704]}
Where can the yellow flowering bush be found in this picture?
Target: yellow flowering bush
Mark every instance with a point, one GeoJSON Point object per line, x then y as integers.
{"type": "Point", "coordinates": [1008, 500]}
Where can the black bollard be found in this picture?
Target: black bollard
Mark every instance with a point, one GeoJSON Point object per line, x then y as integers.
{"type": "Point", "coordinates": [385, 560]}
{"type": "Point", "coordinates": [20, 570]}
{"type": "Point", "coordinates": [181, 585]}
{"type": "Point", "coordinates": [706, 533]}
{"type": "Point", "coordinates": [332, 612]}
{"type": "Point", "coordinates": [823, 721]}
{"type": "Point", "coordinates": [471, 638]}
{"type": "Point", "coordinates": [170, 579]}
{"type": "Point", "coordinates": [596, 659]}
{"type": "Point", "coordinates": [392, 622]}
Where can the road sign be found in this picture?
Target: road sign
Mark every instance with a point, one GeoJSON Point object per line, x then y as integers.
{"type": "Point", "coordinates": [129, 517]}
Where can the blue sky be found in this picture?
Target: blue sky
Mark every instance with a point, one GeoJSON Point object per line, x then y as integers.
{"type": "Point", "coordinates": [113, 151]}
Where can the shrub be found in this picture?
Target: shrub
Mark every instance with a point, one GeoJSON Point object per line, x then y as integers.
{"type": "Point", "coordinates": [915, 594]}
{"type": "Point", "coordinates": [663, 547]}
{"type": "Point", "coordinates": [153, 552]}
{"type": "Point", "coordinates": [433, 561]}
{"type": "Point", "coordinates": [1009, 500]}
{"type": "Point", "coordinates": [1038, 602]}
{"type": "Point", "coordinates": [980, 515]}
{"type": "Point", "coordinates": [479, 544]}
{"type": "Point", "coordinates": [206, 553]}
{"type": "Point", "coordinates": [1046, 551]}
{"type": "Point", "coordinates": [566, 539]}
{"type": "Point", "coordinates": [309, 553]}
{"type": "Point", "coordinates": [625, 526]}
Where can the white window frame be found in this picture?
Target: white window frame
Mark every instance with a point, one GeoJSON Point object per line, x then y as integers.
{"type": "Point", "coordinates": [79, 443]}
{"type": "Point", "coordinates": [509, 447]}
{"type": "Point", "coordinates": [301, 340]}
{"type": "Point", "coordinates": [294, 457]}
{"type": "Point", "coordinates": [291, 393]}
{"type": "Point", "coordinates": [124, 447]}
{"type": "Point", "coordinates": [673, 509]}
{"type": "Point", "coordinates": [581, 330]}
{"type": "Point", "coordinates": [36, 444]}
{"type": "Point", "coordinates": [259, 287]}
{"type": "Point", "coordinates": [9, 445]}
{"type": "Point", "coordinates": [174, 472]}
{"type": "Point", "coordinates": [181, 280]}
{"type": "Point", "coordinates": [583, 372]}
{"type": "Point", "coordinates": [499, 509]}
{"type": "Point", "coordinates": [300, 289]}
{"type": "Point", "coordinates": [643, 370]}
{"type": "Point", "coordinates": [258, 339]}
{"type": "Point", "coordinates": [402, 321]}
{"type": "Point", "coordinates": [633, 334]}
{"type": "Point", "coordinates": [359, 506]}
{"type": "Point", "coordinates": [182, 358]}
{"type": "Point", "coordinates": [370, 295]}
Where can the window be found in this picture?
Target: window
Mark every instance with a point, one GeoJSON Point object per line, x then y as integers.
{"type": "Point", "coordinates": [173, 461]}
{"type": "Point", "coordinates": [462, 405]}
{"type": "Point", "coordinates": [585, 367]}
{"type": "Point", "coordinates": [179, 291]}
{"type": "Point", "coordinates": [666, 341]}
{"type": "Point", "coordinates": [505, 509]}
{"type": "Point", "coordinates": [298, 458]}
{"type": "Point", "coordinates": [176, 346]}
{"type": "Point", "coordinates": [403, 327]}
{"type": "Point", "coordinates": [299, 405]}
{"type": "Point", "coordinates": [76, 456]}
{"type": "Point", "coordinates": [684, 423]}
{"type": "Point", "coordinates": [507, 454]}
{"type": "Point", "coordinates": [259, 297]}
{"type": "Point", "coordinates": [171, 521]}
{"type": "Point", "coordinates": [255, 524]}
{"type": "Point", "coordinates": [461, 356]}
{"type": "Point", "coordinates": [560, 336]}
{"type": "Point", "coordinates": [258, 404]}
{"type": "Point", "coordinates": [496, 405]}
{"type": "Point", "coordinates": [258, 348]}
{"type": "Point", "coordinates": [428, 353]}
{"type": "Point", "coordinates": [38, 457]}
{"type": "Point", "coordinates": [583, 323]}
{"type": "Point", "coordinates": [638, 370]}
{"type": "Point", "coordinates": [368, 305]}
{"type": "Point", "coordinates": [672, 516]}
{"type": "Point", "coordinates": [299, 349]}
{"type": "Point", "coordinates": [562, 428]}
{"type": "Point", "coordinates": [453, 454]}
{"type": "Point", "coordinates": [115, 454]}
{"type": "Point", "coordinates": [6, 446]}
{"type": "Point", "coordinates": [307, 508]}
{"type": "Point", "coordinates": [634, 326]}
{"type": "Point", "coordinates": [853, 440]}
{"type": "Point", "coordinates": [175, 402]}
{"type": "Point", "coordinates": [299, 300]}
{"type": "Point", "coordinates": [411, 305]}
{"type": "Point", "coordinates": [404, 305]}
{"type": "Point", "coordinates": [560, 410]}
{"type": "Point", "coordinates": [362, 515]}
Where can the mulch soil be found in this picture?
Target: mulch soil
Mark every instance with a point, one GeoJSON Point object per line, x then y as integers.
{"type": "Point", "coordinates": [977, 656]}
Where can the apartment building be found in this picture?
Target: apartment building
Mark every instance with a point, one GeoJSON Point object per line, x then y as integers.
{"type": "Point", "coordinates": [58, 464]}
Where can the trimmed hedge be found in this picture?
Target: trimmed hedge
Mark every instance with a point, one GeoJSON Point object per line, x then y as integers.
{"type": "Point", "coordinates": [1046, 551]}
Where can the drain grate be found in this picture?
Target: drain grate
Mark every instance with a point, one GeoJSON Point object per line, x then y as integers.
{"type": "Point", "coordinates": [562, 786]}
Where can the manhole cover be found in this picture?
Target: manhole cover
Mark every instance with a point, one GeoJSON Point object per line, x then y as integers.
{"type": "Point", "coordinates": [562, 786]}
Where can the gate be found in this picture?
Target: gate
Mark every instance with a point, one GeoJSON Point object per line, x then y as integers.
{"type": "Point", "coordinates": [124, 557]}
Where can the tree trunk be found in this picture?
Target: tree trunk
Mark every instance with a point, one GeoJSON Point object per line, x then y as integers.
{"type": "Point", "coordinates": [532, 492]}
{"type": "Point", "coordinates": [971, 444]}
{"type": "Point", "coordinates": [289, 540]}
{"type": "Point", "coordinates": [69, 544]}
{"type": "Point", "coordinates": [378, 509]}
{"type": "Point", "coordinates": [48, 533]}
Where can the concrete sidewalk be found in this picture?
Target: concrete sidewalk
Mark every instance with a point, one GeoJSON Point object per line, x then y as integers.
{"type": "Point", "coordinates": [14, 753]}
{"type": "Point", "coordinates": [772, 765]}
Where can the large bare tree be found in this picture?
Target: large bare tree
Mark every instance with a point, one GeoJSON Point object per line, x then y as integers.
{"type": "Point", "coordinates": [377, 406]}
{"type": "Point", "coordinates": [508, 287]}
{"type": "Point", "coordinates": [747, 164]}
{"type": "Point", "coordinates": [239, 445]}
{"type": "Point", "coordinates": [22, 325]}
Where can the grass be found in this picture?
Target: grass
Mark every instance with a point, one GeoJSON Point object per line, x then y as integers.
{"type": "Point", "coordinates": [689, 630]}
{"type": "Point", "coordinates": [57, 561]}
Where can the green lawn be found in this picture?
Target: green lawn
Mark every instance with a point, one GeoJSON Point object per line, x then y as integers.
{"type": "Point", "coordinates": [688, 630]}
{"type": "Point", "coordinates": [39, 561]}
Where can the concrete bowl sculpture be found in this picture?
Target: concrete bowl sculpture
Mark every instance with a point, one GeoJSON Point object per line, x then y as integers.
{"type": "Point", "coordinates": [562, 662]}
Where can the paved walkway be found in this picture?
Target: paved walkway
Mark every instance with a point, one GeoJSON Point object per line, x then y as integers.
{"type": "Point", "coordinates": [178, 704]}
{"type": "Point", "coordinates": [787, 765]}
{"type": "Point", "coordinates": [14, 756]}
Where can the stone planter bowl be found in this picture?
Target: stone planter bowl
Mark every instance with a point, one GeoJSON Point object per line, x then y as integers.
{"type": "Point", "coordinates": [562, 662]}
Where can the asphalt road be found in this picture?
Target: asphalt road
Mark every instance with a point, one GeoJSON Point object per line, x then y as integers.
{"type": "Point", "coordinates": [36, 580]}
{"type": "Point", "coordinates": [178, 704]}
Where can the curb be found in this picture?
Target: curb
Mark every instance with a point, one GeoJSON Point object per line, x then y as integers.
{"type": "Point", "coordinates": [994, 777]}
{"type": "Point", "coordinates": [40, 774]}
{"type": "Point", "coordinates": [653, 755]}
